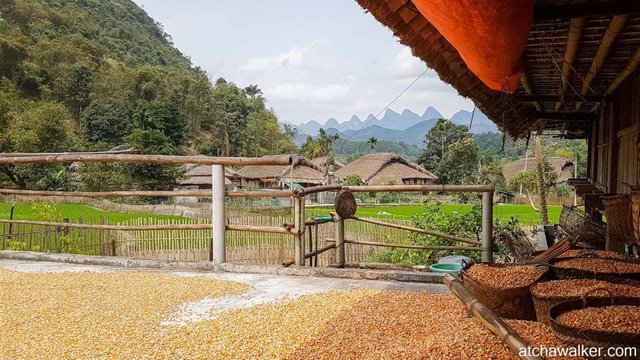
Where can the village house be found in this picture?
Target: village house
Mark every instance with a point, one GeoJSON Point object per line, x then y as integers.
{"type": "Point", "coordinates": [563, 168]}
{"type": "Point", "coordinates": [387, 168]}
{"type": "Point", "coordinates": [303, 173]}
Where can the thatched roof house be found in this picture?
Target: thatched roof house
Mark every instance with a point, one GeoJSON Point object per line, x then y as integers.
{"type": "Point", "coordinates": [200, 176]}
{"type": "Point", "coordinates": [561, 166]}
{"type": "Point", "coordinates": [305, 173]}
{"type": "Point", "coordinates": [322, 160]}
{"type": "Point", "coordinates": [387, 168]}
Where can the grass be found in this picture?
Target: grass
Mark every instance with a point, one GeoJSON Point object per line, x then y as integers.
{"type": "Point", "coordinates": [504, 212]}
{"type": "Point", "coordinates": [24, 211]}
{"type": "Point", "coordinates": [525, 213]}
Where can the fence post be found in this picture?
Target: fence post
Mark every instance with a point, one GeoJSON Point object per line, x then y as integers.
{"type": "Point", "coordinates": [298, 240]}
{"type": "Point", "coordinates": [218, 219]}
{"type": "Point", "coordinates": [487, 227]}
{"type": "Point", "coordinates": [340, 241]}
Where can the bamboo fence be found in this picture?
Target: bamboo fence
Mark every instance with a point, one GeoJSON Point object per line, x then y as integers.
{"type": "Point", "coordinates": [194, 244]}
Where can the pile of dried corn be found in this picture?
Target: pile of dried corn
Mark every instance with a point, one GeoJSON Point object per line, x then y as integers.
{"type": "Point", "coordinates": [505, 277]}
{"type": "Point", "coordinates": [599, 265]}
{"type": "Point", "coordinates": [117, 315]}
{"type": "Point", "coordinates": [92, 315]}
{"type": "Point", "coordinates": [603, 254]}
{"type": "Point", "coordinates": [579, 287]}
{"type": "Point", "coordinates": [618, 318]}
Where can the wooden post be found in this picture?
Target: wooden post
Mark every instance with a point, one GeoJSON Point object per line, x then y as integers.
{"type": "Point", "coordinates": [487, 227]}
{"type": "Point", "coordinates": [218, 223]}
{"type": "Point", "coordinates": [340, 242]}
{"type": "Point", "coordinates": [298, 219]}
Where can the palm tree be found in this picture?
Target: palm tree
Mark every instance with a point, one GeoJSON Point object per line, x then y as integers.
{"type": "Point", "coordinates": [372, 142]}
{"type": "Point", "coordinates": [253, 91]}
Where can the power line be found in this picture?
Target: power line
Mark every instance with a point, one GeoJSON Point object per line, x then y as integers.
{"type": "Point", "coordinates": [389, 104]}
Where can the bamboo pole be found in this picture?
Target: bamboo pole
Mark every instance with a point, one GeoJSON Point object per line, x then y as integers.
{"type": "Point", "coordinates": [124, 151]}
{"type": "Point", "coordinates": [421, 188]}
{"type": "Point", "coordinates": [218, 217]}
{"type": "Point", "coordinates": [417, 230]}
{"type": "Point", "coordinates": [608, 38]}
{"type": "Point", "coordinates": [298, 230]}
{"type": "Point", "coordinates": [339, 243]}
{"type": "Point", "coordinates": [409, 246]}
{"type": "Point", "coordinates": [487, 227]}
{"type": "Point", "coordinates": [488, 318]}
{"type": "Point", "coordinates": [317, 189]}
{"type": "Point", "coordinates": [259, 229]}
{"type": "Point", "coordinates": [107, 194]}
{"type": "Point", "coordinates": [311, 254]}
{"type": "Point", "coordinates": [137, 158]}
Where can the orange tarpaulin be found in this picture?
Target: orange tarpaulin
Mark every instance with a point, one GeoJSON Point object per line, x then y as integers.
{"type": "Point", "coordinates": [490, 35]}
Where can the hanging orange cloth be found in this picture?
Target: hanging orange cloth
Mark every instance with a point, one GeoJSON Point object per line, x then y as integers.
{"type": "Point", "coordinates": [490, 35]}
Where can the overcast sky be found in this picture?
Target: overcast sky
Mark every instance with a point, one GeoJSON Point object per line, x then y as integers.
{"type": "Point", "coordinates": [313, 59]}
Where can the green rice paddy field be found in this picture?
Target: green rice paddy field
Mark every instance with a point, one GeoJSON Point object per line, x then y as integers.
{"type": "Point", "coordinates": [22, 211]}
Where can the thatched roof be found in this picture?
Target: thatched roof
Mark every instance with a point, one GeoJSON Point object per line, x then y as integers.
{"type": "Point", "coordinates": [304, 171]}
{"type": "Point", "coordinates": [567, 74]}
{"type": "Point", "coordinates": [320, 161]}
{"type": "Point", "coordinates": [384, 168]}
{"type": "Point", "coordinates": [562, 167]}
{"type": "Point", "coordinates": [201, 175]}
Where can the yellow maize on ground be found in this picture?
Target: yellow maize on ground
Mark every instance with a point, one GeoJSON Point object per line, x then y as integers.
{"type": "Point", "coordinates": [118, 315]}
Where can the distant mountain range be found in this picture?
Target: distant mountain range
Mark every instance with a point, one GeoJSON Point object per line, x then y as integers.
{"type": "Point", "coordinates": [407, 127]}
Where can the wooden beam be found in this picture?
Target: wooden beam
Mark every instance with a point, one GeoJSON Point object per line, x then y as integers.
{"type": "Point", "coordinates": [409, 246]}
{"type": "Point", "coordinates": [418, 230]}
{"type": "Point", "coordinates": [609, 37]}
{"type": "Point", "coordinates": [422, 188]}
{"type": "Point", "coordinates": [488, 318]}
{"type": "Point", "coordinates": [624, 74]}
{"type": "Point", "coordinates": [151, 159]}
{"type": "Point", "coordinates": [526, 84]}
{"type": "Point", "coordinates": [589, 9]}
{"type": "Point", "coordinates": [573, 40]}
{"type": "Point", "coordinates": [557, 98]}
{"type": "Point", "coordinates": [185, 193]}
{"type": "Point", "coordinates": [566, 116]}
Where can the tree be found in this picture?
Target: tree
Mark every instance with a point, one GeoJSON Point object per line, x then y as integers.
{"type": "Point", "coordinates": [253, 91]}
{"type": "Point", "coordinates": [459, 164]}
{"type": "Point", "coordinates": [152, 176]}
{"type": "Point", "coordinates": [372, 142]}
{"type": "Point", "coordinates": [106, 121]}
{"type": "Point", "coordinates": [443, 134]}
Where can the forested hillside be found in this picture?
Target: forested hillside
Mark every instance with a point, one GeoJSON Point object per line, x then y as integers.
{"type": "Point", "coordinates": [93, 74]}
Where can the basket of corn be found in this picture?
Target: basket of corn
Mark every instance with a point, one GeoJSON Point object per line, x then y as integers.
{"type": "Point", "coordinates": [590, 267]}
{"type": "Point", "coordinates": [599, 322]}
{"type": "Point", "coordinates": [550, 293]}
{"type": "Point", "coordinates": [504, 288]}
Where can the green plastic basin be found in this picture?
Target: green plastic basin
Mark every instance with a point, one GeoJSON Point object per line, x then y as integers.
{"type": "Point", "coordinates": [446, 268]}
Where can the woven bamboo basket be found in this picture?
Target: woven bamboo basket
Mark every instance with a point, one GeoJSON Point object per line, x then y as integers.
{"type": "Point", "coordinates": [618, 211]}
{"type": "Point", "coordinates": [544, 303]}
{"type": "Point", "coordinates": [635, 215]}
{"type": "Point", "coordinates": [591, 338]}
{"type": "Point", "coordinates": [575, 273]}
{"type": "Point", "coordinates": [581, 228]}
{"type": "Point", "coordinates": [511, 303]}
{"type": "Point", "coordinates": [345, 204]}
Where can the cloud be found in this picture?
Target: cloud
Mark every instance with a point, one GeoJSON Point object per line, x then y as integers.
{"type": "Point", "coordinates": [293, 57]}
{"type": "Point", "coordinates": [405, 65]}
{"type": "Point", "coordinates": [308, 92]}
